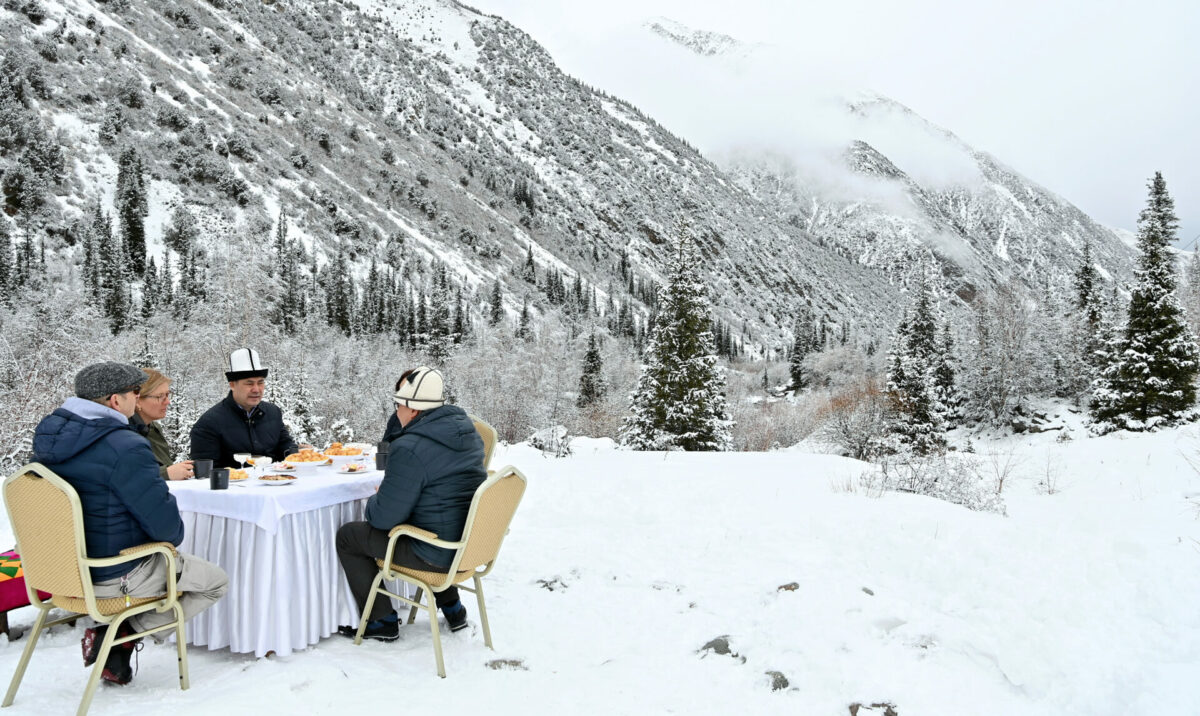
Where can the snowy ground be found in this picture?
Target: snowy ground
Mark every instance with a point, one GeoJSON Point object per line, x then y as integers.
{"type": "Point", "coordinates": [621, 566]}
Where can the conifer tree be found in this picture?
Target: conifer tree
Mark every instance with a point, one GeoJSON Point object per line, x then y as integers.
{"type": "Point", "coordinates": [1150, 377]}
{"type": "Point", "coordinates": [523, 330]}
{"type": "Point", "coordinates": [115, 283]}
{"type": "Point", "coordinates": [149, 291]}
{"type": "Point", "coordinates": [132, 208]}
{"type": "Point", "coordinates": [529, 268]}
{"type": "Point", "coordinates": [679, 400]}
{"type": "Point", "coordinates": [6, 262]}
{"type": "Point", "coordinates": [339, 293]}
{"type": "Point", "coordinates": [592, 386]}
{"type": "Point", "coordinates": [497, 304]}
{"type": "Point", "coordinates": [914, 364]}
{"type": "Point", "coordinates": [802, 345]}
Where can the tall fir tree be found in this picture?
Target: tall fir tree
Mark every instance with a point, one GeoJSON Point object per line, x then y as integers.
{"type": "Point", "coordinates": [914, 365]}
{"type": "Point", "coordinates": [592, 386]}
{"type": "Point", "coordinates": [1150, 377]}
{"type": "Point", "coordinates": [679, 400]}
{"type": "Point", "coordinates": [132, 209]}
{"type": "Point", "coordinates": [802, 346]}
{"type": "Point", "coordinates": [496, 307]}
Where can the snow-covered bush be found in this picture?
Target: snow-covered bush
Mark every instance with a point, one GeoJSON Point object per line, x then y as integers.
{"type": "Point", "coordinates": [856, 418]}
{"type": "Point", "coordinates": [954, 478]}
{"type": "Point", "coordinates": [552, 441]}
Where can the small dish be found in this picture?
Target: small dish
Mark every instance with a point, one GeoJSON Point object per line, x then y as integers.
{"type": "Point", "coordinates": [353, 468]}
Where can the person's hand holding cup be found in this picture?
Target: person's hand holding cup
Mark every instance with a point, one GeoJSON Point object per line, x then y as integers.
{"type": "Point", "coordinates": [184, 470]}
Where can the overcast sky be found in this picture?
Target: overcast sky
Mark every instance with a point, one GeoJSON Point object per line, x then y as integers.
{"type": "Point", "coordinates": [1088, 99]}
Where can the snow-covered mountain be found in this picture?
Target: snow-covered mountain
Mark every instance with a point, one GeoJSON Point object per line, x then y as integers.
{"type": "Point", "coordinates": [405, 133]}
{"type": "Point", "coordinates": [421, 130]}
{"type": "Point", "coordinates": [887, 188]}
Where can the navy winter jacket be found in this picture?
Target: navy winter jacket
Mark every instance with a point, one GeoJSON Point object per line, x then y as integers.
{"type": "Point", "coordinates": [110, 465]}
{"type": "Point", "coordinates": [224, 429]}
{"type": "Point", "coordinates": [434, 466]}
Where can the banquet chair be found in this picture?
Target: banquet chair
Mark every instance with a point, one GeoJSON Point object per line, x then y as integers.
{"type": "Point", "coordinates": [488, 433]}
{"type": "Point", "coordinates": [47, 521]}
{"type": "Point", "coordinates": [491, 512]}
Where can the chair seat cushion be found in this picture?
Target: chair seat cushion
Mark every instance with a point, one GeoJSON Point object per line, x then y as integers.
{"type": "Point", "coordinates": [108, 607]}
{"type": "Point", "coordinates": [12, 582]}
{"type": "Point", "coordinates": [424, 576]}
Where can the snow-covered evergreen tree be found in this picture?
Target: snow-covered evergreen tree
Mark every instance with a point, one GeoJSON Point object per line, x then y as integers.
{"type": "Point", "coordinates": [916, 365]}
{"type": "Point", "coordinates": [679, 400]}
{"type": "Point", "coordinates": [592, 386]}
{"type": "Point", "coordinates": [803, 343]}
{"type": "Point", "coordinates": [132, 208]}
{"type": "Point", "coordinates": [1150, 378]}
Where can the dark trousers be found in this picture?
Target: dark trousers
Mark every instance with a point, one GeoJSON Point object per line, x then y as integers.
{"type": "Point", "coordinates": [359, 545]}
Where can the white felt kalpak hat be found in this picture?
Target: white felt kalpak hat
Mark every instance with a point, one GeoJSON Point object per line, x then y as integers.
{"type": "Point", "coordinates": [244, 363]}
{"type": "Point", "coordinates": [421, 389]}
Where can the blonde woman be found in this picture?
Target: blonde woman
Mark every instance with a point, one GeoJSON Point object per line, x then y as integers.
{"type": "Point", "coordinates": [152, 405]}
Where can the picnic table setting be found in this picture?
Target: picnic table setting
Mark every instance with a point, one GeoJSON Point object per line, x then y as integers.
{"type": "Point", "coordinates": [271, 526]}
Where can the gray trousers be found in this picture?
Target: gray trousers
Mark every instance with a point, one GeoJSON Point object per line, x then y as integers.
{"type": "Point", "coordinates": [200, 584]}
{"type": "Point", "coordinates": [359, 545]}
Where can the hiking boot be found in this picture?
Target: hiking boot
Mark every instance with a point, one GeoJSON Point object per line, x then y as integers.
{"type": "Point", "coordinates": [116, 668]}
{"type": "Point", "coordinates": [456, 616]}
{"type": "Point", "coordinates": [93, 637]}
{"type": "Point", "coordinates": [379, 630]}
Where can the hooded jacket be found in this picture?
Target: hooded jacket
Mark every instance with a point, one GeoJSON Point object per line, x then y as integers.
{"type": "Point", "coordinates": [111, 467]}
{"type": "Point", "coordinates": [225, 429]}
{"type": "Point", "coordinates": [434, 466]}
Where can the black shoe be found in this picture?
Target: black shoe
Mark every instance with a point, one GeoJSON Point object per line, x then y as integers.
{"type": "Point", "coordinates": [116, 668]}
{"type": "Point", "coordinates": [381, 631]}
{"type": "Point", "coordinates": [456, 619]}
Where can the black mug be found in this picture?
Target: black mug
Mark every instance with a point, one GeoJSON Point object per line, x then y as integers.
{"type": "Point", "coordinates": [381, 454]}
{"type": "Point", "coordinates": [219, 480]}
{"type": "Point", "coordinates": [201, 469]}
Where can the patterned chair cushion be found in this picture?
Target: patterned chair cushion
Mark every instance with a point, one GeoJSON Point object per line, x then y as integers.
{"type": "Point", "coordinates": [12, 582]}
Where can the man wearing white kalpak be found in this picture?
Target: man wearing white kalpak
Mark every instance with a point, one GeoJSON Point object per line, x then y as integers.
{"type": "Point", "coordinates": [434, 466]}
{"type": "Point", "coordinates": [243, 422]}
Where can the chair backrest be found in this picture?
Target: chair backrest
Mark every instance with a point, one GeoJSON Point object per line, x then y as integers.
{"type": "Point", "coordinates": [47, 521]}
{"type": "Point", "coordinates": [488, 433]}
{"type": "Point", "coordinates": [492, 510]}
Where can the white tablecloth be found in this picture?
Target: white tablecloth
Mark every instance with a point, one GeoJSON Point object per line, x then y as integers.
{"type": "Point", "coordinates": [286, 587]}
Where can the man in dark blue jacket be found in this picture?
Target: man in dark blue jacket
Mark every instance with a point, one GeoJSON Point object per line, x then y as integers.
{"type": "Point", "coordinates": [434, 466]}
{"type": "Point", "coordinates": [243, 422]}
{"type": "Point", "coordinates": [90, 443]}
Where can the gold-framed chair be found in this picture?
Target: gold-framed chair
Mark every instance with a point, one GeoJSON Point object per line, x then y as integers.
{"type": "Point", "coordinates": [491, 512]}
{"type": "Point", "coordinates": [47, 521]}
{"type": "Point", "coordinates": [488, 433]}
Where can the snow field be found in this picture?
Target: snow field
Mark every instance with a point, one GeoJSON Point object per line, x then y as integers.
{"type": "Point", "coordinates": [621, 566]}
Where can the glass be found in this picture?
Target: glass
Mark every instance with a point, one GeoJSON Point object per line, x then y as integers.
{"type": "Point", "coordinates": [242, 458]}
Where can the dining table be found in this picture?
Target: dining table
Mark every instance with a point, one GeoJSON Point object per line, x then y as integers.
{"type": "Point", "coordinates": [276, 541]}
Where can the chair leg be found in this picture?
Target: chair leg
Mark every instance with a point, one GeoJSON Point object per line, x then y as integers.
{"type": "Point", "coordinates": [487, 631]}
{"type": "Point", "coordinates": [110, 635]}
{"type": "Point", "coordinates": [181, 645]}
{"type": "Point", "coordinates": [366, 612]}
{"type": "Point", "coordinates": [26, 654]}
{"type": "Point", "coordinates": [437, 637]}
{"type": "Point", "coordinates": [412, 612]}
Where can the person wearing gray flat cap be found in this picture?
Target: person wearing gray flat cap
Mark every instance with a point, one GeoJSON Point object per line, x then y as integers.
{"type": "Point", "coordinates": [243, 422]}
{"type": "Point", "coordinates": [90, 443]}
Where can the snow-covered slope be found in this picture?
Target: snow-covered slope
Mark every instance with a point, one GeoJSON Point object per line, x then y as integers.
{"type": "Point", "coordinates": [621, 567]}
{"type": "Point", "coordinates": [405, 133]}
{"type": "Point", "coordinates": [884, 186]}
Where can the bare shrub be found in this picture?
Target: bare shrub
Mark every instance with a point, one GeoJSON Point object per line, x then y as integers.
{"type": "Point", "coordinates": [953, 478]}
{"type": "Point", "coordinates": [856, 417]}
